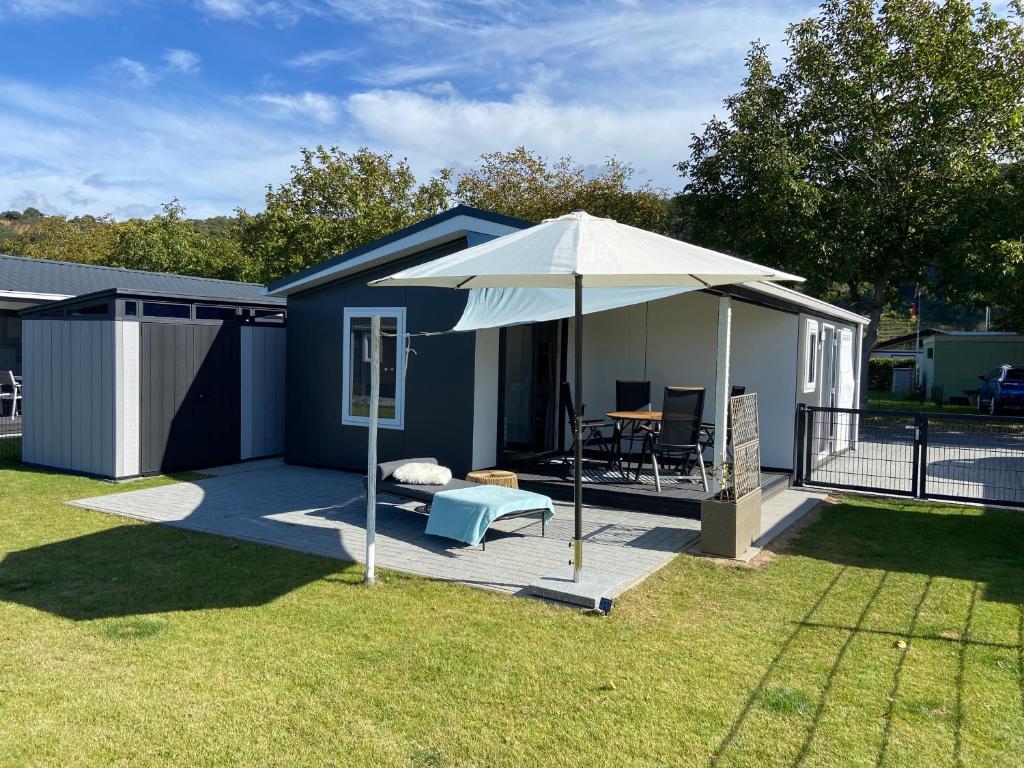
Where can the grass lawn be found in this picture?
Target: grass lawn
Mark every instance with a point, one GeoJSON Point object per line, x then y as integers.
{"type": "Point", "coordinates": [889, 401]}
{"type": "Point", "coordinates": [890, 634]}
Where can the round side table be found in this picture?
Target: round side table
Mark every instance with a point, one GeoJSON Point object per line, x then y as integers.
{"type": "Point", "coordinates": [494, 477]}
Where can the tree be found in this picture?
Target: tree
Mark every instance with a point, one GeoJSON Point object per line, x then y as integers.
{"type": "Point", "coordinates": [521, 183]}
{"type": "Point", "coordinates": [860, 165]}
{"type": "Point", "coordinates": [335, 201]}
{"type": "Point", "coordinates": [85, 239]}
{"type": "Point", "coordinates": [168, 242]}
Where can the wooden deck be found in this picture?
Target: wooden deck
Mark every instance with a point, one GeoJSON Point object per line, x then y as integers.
{"type": "Point", "coordinates": [607, 488]}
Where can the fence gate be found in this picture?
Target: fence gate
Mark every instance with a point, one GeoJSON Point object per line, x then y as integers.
{"type": "Point", "coordinates": [956, 457]}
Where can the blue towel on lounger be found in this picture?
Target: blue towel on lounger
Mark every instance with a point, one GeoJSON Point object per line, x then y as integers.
{"type": "Point", "coordinates": [464, 514]}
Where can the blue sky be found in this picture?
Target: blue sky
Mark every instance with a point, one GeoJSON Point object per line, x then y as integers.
{"type": "Point", "coordinates": [115, 107]}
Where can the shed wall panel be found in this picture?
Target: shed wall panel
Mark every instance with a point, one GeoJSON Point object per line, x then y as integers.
{"type": "Point", "coordinates": [263, 365]}
{"type": "Point", "coordinates": [69, 377]}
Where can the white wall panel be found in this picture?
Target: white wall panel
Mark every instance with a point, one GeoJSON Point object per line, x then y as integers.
{"type": "Point", "coordinates": [485, 399]}
{"type": "Point", "coordinates": [673, 342]}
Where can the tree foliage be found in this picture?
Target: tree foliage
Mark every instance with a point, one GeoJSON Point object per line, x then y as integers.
{"type": "Point", "coordinates": [863, 163]}
{"type": "Point", "coordinates": [523, 184]}
{"type": "Point", "coordinates": [170, 243]}
{"type": "Point", "coordinates": [167, 242]}
{"type": "Point", "coordinates": [335, 201]}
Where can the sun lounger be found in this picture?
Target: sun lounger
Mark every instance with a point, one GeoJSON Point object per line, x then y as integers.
{"type": "Point", "coordinates": [466, 513]}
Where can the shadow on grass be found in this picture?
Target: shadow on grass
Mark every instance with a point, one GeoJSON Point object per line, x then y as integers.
{"type": "Point", "coordinates": [903, 537]}
{"type": "Point", "coordinates": [145, 569]}
{"type": "Point", "coordinates": [889, 537]}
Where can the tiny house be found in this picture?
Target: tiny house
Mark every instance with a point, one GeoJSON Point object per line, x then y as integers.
{"type": "Point", "coordinates": [480, 399]}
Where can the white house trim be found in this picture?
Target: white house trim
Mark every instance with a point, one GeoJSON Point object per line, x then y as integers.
{"type": "Point", "coordinates": [442, 232]}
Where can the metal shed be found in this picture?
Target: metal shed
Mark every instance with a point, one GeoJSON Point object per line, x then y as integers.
{"type": "Point", "coordinates": [124, 383]}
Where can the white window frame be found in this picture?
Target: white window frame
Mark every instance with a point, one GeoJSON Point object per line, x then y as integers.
{"type": "Point", "coordinates": [812, 342]}
{"type": "Point", "coordinates": [398, 314]}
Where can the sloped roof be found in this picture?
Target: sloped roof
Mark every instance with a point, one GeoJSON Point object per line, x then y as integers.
{"type": "Point", "coordinates": [45, 280]}
{"type": "Point", "coordinates": [446, 225]}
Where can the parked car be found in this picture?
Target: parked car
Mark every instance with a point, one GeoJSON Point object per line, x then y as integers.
{"type": "Point", "coordinates": [1001, 389]}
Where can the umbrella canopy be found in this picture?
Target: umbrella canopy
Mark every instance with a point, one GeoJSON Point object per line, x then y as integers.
{"type": "Point", "coordinates": [603, 252]}
{"type": "Point", "coordinates": [575, 251]}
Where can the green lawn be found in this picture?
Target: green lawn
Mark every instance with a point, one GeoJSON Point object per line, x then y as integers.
{"type": "Point", "coordinates": [137, 645]}
{"type": "Point", "coordinates": [889, 401]}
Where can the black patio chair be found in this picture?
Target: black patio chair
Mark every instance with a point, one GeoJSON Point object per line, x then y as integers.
{"type": "Point", "coordinates": [591, 430]}
{"type": "Point", "coordinates": [677, 440]}
{"type": "Point", "coordinates": [630, 396]}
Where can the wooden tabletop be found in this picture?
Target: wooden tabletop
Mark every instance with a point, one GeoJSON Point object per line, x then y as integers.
{"type": "Point", "coordinates": [645, 416]}
{"type": "Point", "coordinates": [634, 415]}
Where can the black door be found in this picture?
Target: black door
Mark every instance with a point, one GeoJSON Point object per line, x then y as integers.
{"type": "Point", "coordinates": [529, 376]}
{"type": "Point", "coordinates": [190, 398]}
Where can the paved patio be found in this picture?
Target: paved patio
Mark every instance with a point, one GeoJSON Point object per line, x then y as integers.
{"type": "Point", "coordinates": [323, 512]}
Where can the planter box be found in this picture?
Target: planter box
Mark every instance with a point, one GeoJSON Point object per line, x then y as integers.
{"type": "Point", "coordinates": [728, 528]}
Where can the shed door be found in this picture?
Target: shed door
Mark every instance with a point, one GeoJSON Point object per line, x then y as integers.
{"type": "Point", "coordinates": [190, 391]}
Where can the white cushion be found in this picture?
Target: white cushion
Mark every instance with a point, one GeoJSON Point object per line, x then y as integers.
{"type": "Point", "coordinates": [422, 474]}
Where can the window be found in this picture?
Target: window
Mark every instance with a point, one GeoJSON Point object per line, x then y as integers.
{"type": "Point", "coordinates": [159, 309]}
{"type": "Point", "coordinates": [1014, 374]}
{"type": "Point", "coordinates": [90, 310]}
{"type": "Point", "coordinates": [356, 368]}
{"type": "Point", "coordinates": [810, 356]}
{"type": "Point", "coordinates": [208, 312]}
{"type": "Point", "coordinates": [131, 309]}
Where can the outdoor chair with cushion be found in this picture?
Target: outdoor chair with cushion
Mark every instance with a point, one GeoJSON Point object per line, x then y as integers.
{"type": "Point", "coordinates": [677, 440]}
{"type": "Point", "coordinates": [463, 510]}
{"type": "Point", "coordinates": [10, 392]}
{"type": "Point", "coordinates": [592, 431]}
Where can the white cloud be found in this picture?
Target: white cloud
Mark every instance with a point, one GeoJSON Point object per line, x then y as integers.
{"type": "Point", "coordinates": [434, 132]}
{"type": "Point", "coordinates": [131, 72]}
{"type": "Point", "coordinates": [144, 149]}
{"type": "Point", "coordinates": [182, 60]}
{"type": "Point", "coordinates": [281, 12]}
{"type": "Point", "coordinates": [322, 58]}
{"type": "Point", "coordinates": [49, 8]}
{"type": "Point", "coordinates": [318, 106]}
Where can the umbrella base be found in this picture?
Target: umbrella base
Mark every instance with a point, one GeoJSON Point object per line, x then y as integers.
{"type": "Point", "coordinates": [586, 593]}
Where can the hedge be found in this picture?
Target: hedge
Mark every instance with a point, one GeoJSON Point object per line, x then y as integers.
{"type": "Point", "coordinates": [880, 372]}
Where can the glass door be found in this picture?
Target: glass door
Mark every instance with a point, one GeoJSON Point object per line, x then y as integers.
{"type": "Point", "coordinates": [530, 370]}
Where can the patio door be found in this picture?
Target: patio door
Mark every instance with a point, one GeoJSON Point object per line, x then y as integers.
{"type": "Point", "coordinates": [828, 378]}
{"type": "Point", "coordinates": [529, 413]}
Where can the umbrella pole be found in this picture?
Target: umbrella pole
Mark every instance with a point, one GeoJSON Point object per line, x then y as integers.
{"type": "Point", "coordinates": [371, 452]}
{"type": "Point", "coordinates": [577, 560]}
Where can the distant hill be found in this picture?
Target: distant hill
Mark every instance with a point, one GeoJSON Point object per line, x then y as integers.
{"type": "Point", "coordinates": [15, 223]}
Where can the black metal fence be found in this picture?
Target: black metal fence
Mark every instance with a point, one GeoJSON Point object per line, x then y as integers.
{"type": "Point", "coordinates": [10, 437]}
{"type": "Point", "coordinates": [958, 457]}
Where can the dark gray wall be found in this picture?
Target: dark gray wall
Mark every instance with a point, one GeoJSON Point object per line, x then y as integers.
{"type": "Point", "coordinates": [439, 377]}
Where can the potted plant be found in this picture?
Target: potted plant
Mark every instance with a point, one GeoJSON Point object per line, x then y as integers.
{"type": "Point", "coordinates": [729, 523]}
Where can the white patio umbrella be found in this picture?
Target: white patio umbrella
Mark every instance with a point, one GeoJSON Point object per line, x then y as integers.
{"type": "Point", "coordinates": [577, 251]}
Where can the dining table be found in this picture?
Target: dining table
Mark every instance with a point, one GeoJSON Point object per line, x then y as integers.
{"type": "Point", "coordinates": [633, 420]}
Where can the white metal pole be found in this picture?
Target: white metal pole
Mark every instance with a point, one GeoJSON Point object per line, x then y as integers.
{"type": "Point", "coordinates": [722, 386]}
{"type": "Point", "coordinates": [371, 452]}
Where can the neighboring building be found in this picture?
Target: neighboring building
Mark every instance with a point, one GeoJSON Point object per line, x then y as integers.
{"type": "Point", "coordinates": [31, 282]}
{"type": "Point", "coordinates": [477, 399]}
{"type": "Point", "coordinates": [903, 347]}
{"type": "Point", "coordinates": [127, 373]}
{"type": "Point", "coordinates": [953, 362]}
